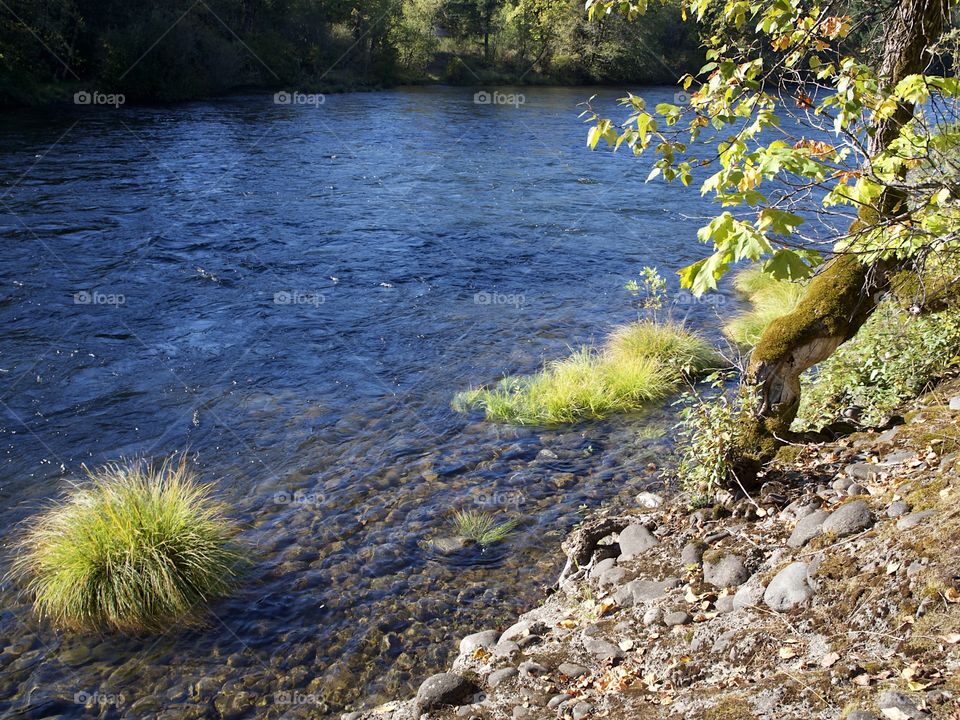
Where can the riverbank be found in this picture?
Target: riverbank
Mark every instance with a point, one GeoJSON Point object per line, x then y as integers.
{"type": "Point", "coordinates": [832, 593]}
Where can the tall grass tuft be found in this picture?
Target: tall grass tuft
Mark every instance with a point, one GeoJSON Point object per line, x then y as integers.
{"type": "Point", "coordinates": [769, 299]}
{"type": "Point", "coordinates": [134, 548]}
{"type": "Point", "coordinates": [641, 363]}
{"type": "Point", "coordinates": [481, 527]}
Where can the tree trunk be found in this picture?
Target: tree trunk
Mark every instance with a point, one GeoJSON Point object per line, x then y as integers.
{"type": "Point", "coordinates": [846, 292]}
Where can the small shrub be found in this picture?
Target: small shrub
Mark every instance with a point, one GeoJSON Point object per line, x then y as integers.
{"type": "Point", "coordinates": [133, 549]}
{"type": "Point", "coordinates": [708, 436]}
{"type": "Point", "coordinates": [769, 299]}
{"type": "Point", "coordinates": [481, 527]}
{"type": "Point", "coordinates": [641, 363]}
{"type": "Point", "coordinates": [893, 358]}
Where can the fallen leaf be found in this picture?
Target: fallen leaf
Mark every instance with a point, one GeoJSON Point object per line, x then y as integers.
{"type": "Point", "coordinates": [829, 659]}
{"type": "Point", "coordinates": [952, 595]}
{"type": "Point", "coordinates": [786, 653]}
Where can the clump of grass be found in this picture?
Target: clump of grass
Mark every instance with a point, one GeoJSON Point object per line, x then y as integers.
{"type": "Point", "coordinates": [769, 299]}
{"type": "Point", "coordinates": [134, 548]}
{"type": "Point", "coordinates": [640, 363]}
{"type": "Point", "coordinates": [481, 527]}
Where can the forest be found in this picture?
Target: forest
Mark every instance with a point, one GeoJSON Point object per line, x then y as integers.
{"type": "Point", "coordinates": [196, 48]}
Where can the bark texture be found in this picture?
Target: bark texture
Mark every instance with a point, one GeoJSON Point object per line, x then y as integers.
{"type": "Point", "coordinates": [846, 292]}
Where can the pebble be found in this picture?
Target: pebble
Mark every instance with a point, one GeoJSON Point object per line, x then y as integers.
{"type": "Point", "coordinates": [860, 471]}
{"type": "Point", "coordinates": [530, 667]}
{"type": "Point", "coordinates": [601, 567]}
{"type": "Point", "coordinates": [558, 700]}
{"type": "Point", "coordinates": [748, 594]}
{"type": "Point", "coordinates": [649, 500]}
{"type": "Point", "coordinates": [848, 519]}
{"type": "Point", "coordinates": [485, 640]}
{"type": "Point", "coordinates": [807, 528]}
{"type": "Point", "coordinates": [441, 689]}
{"type": "Point", "coordinates": [725, 604]}
{"type": "Point", "coordinates": [502, 675]}
{"type": "Point", "coordinates": [636, 539]}
{"type": "Point", "coordinates": [955, 403]}
{"type": "Point", "coordinates": [861, 715]}
{"type": "Point", "coordinates": [678, 617]}
{"type": "Point", "coordinates": [521, 712]}
{"type": "Point", "coordinates": [601, 649]}
{"type": "Point", "coordinates": [914, 519]}
{"type": "Point", "coordinates": [902, 703]}
{"type": "Point", "coordinates": [506, 649]}
{"type": "Point", "coordinates": [613, 576]}
{"type": "Point", "coordinates": [856, 489]}
{"type": "Point", "coordinates": [727, 571]}
{"type": "Point", "coordinates": [897, 508]}
{"type": "Point", "coordinates": [581, 710]}
{"type": "Point", "coordinates": [789, 589]}
{"type": "Point", "coordinates": [653, 616]}
{"type": "Point", "coordinates": [639, 591]}
{"type": "Point", "coordinates": [572, 670]}
{"type": "Point", "coordinates": [692, 554]}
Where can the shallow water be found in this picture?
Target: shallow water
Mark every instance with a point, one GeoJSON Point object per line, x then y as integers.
{"type": "Point", "coordinates": [294, 294]}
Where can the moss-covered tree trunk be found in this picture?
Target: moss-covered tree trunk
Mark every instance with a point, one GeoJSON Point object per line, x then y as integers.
{"type": "Point", "coordinates": [846, 292]}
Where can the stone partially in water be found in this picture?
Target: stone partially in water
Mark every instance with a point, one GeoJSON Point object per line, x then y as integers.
{"type": "Point", "coordinates": [450, 545]}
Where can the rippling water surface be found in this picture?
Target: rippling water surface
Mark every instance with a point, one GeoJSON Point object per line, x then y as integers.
{"type": "Point", "coordinates": [295, 294]}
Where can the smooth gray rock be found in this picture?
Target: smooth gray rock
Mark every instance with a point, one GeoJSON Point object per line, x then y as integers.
{"type": "Point", "coordinates": [898, 457]}
{"type": "Point", "coordinates": [572, 670]}
{"type": "Point", "coordinates": [636, 539]}
{"type": "Point", "coordinates": [725, 604]}
{"type": "Point", "coordinates": [893, 700]}
{"type": "Point", "coordinates": [581, 710]}
{"type": "Point", "coordinates": [861, 715]}
{"type": "Point", "coordinates": [856, 489]}
{"type": "Point", "coordinates": [914, 519]}
{"type": "Point", "coordinates": [520, 712]}
{"type": "Point", "coordinates": [955, 403]}
{"type": "Point", "coordinates": [727, 571]}
{"type": "Point", "coordinates": [897, 508]}
{"type": "Point", "coordinates": [641, 591]}
{"type": "Point", "coordinates": [558, 700]}
{"type": "Point", "coordinates": [441, 689]}
{"type": "Point", "coordinates": [649, 500]}
{"type": "Point", "coordinates": [601, 567]}
{"type": "Point", "coordinates": [613, 576]}
{"type": "Point", "coordinates": [506, 648]}
{"type": "Point", "coordinates": [848, 519]}
{"type": "Point", "coordinates": [532, 668]}
{"type": "Point", "coordinates": [807, 528]}
{"type": "Point", "coordinates": [516, 631]}
{"type": "Point", "coordinates": [748, 594]}
{"type": "Point", "coordinates": [841, 484]}
{"type": "Point", "coordinates": [692, 554]}
{"type": "Point", "coordinates": [499, 676]}
{"type": "Point", "coordinates": [653, 616]}
{"type": "Point", "coordinates": [601, 649]}
{"type": "Point", "coordinates": [487, 640]}
{"type": "Point", "coordinates": [865, 472]}
{"type": "Point", "coordinates": [789, 589]}
{"type": "Point", "coordinates": [678, 617]}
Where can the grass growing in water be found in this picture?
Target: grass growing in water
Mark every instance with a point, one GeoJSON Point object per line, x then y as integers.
{"type": "Point", "coordinates": [481, 527]}
{"type": "Point", "coordinates": [133, 549]}
{"type": "Point", "coordinates": [769, 299]}
{"type": "Point", "coordinates": [640, 363]}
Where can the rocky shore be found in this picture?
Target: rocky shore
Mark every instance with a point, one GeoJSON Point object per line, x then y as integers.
{"type": "Point", "coordinates": [831, 592]}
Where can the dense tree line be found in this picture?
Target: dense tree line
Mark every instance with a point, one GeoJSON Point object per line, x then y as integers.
{"type": "Point", "coordinates": [190, 48]}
